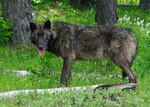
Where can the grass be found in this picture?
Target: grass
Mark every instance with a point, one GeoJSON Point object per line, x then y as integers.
{"type": "Point", "coordinates": [106, 98]}
{"type": "Point", "coordinates": [46, 70]}
{"type": "Point", "coordinates": [89, 98]}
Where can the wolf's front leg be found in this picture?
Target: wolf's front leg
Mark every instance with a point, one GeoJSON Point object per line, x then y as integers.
{"type": "Point", "coordinates": [66, 71]}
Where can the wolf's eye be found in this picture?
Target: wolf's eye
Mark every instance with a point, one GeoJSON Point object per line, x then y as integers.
{"type": "Point", "coordinates": [45, 36]}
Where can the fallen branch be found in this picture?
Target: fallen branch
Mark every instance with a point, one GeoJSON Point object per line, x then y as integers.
{"type": "Point", "coordinates": [11, 94]}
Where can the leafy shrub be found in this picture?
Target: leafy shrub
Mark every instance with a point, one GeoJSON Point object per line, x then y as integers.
{"type": "Point", "coordinates": [5, 26]}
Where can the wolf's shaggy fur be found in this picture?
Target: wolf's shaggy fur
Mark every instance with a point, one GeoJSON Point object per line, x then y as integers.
{"type": "Point", "coordinates": [73, 42]}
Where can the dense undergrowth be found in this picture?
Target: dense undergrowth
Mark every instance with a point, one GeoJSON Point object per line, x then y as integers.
{"type": "Point", "coordinates": [46, 70]}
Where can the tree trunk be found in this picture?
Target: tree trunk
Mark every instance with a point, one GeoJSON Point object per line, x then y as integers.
{"type": "Point", "coordinates": [106, 12]}
{"type": "Point", "coordinates": [82, 3]}
{"type": "Point", "coordinates": [20, 14]}
{"type": "Point", "coordinates": [144, 4]}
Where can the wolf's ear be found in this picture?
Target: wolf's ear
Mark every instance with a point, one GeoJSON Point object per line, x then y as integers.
{"type": "Point", "coordinates": [47, 24]}
{"type": "Point", "coordinates": [33, 27]}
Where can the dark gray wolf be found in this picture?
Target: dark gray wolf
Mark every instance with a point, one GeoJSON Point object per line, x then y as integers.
{"type": "Point", "coordinates": [73, 42]}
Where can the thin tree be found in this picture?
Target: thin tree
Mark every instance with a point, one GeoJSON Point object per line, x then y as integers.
{"type": "Point", "coordinates": [19, 12]}
{"type": "Point", "coordinates": [144, 4]}
{"type": "Point", "coordinates": [106, 12]}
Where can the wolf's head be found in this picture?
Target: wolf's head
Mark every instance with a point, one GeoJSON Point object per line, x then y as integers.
{"type": "Point", "coordinates": [40, 35]}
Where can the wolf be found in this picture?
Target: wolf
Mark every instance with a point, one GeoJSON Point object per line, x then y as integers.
{"type": "Point", "coordinates": [81, 42]}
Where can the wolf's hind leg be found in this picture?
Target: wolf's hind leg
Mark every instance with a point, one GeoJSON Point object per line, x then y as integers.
{"type": "Point", "coordinates": [124, 75]}
{"type": "Point", "coordinates": [123, 63]}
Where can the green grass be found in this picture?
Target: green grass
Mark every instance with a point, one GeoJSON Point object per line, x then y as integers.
{"type": "Point", "coordinates": [46, 70]}
{"type": "Point", "coordinates": [106, 98]}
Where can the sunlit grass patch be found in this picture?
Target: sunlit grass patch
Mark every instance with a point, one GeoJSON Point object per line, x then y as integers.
{"type": "Point", "coordinates": [9, 81]}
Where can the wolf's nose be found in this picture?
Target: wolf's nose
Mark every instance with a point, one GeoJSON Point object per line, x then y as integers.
{"type": "Point", "coordinates": [40, 48]}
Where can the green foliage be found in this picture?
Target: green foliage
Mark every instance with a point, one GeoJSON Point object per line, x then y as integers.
{"type": "Point", "coordinates": [39, 2]}
{"type": "Point", "coordinates": [35, 2]}
{"type": "Point", "coordinates": [128, 2]}
{"type": "Point", "coordinates": [65, 13]}
{"type": "Point", "coordinates": [5, 32]}
{"type": "Point", "coordinates": [120, 2]}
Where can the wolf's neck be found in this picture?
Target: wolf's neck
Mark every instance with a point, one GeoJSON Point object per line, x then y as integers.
{"type": "Point", "coordinates": [52, 46]}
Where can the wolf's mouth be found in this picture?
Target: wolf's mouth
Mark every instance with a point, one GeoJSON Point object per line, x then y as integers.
{"type": "Point", "coordinates": [41, 51]}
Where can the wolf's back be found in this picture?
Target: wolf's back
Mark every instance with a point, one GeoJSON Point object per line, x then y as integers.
{"type": "Point", "coordinates": [120, 33]}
